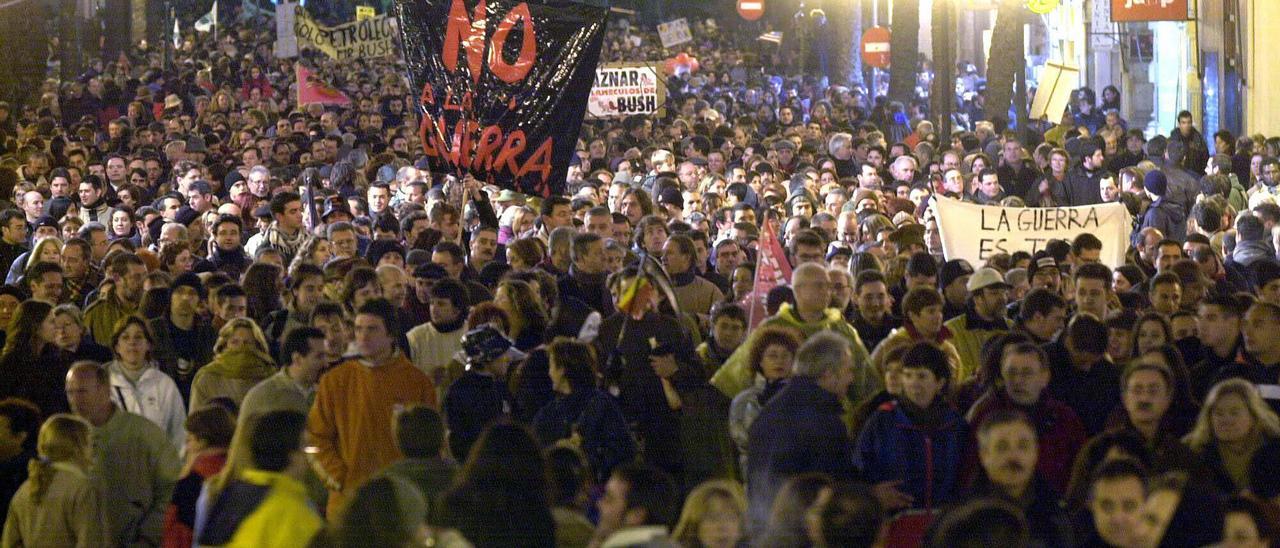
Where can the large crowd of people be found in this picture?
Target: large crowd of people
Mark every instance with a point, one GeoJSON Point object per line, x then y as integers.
{"type": "Point", "coordinates": [229, 319]}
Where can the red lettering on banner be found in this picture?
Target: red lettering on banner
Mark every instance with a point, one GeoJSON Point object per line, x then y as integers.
{"type": "Point", "coordinates": [467, 32]}
{"type": "Point", "coordinates": [462, 31]}
{"type": "Point", "coordinates": [490, 142]}
{"type": "Point", "coordinates": [507, 158]}
{"type": "Point", "coordinates": [512, 73]}
{"type": "Point", "coordinates": [540, 161]}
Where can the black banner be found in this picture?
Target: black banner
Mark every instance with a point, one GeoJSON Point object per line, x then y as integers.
{"type": "Point", "coordinates": [503, 85]}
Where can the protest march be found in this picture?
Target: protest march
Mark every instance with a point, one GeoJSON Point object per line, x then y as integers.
{"type": "Point", "coordinates": [576, 273]}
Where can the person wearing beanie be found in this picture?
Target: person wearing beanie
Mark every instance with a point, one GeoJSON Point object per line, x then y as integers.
{"type": "Point", "coordinates": [953, 279]}
{"type": "Point", "coordinates": [1252, 243]}
{"type": "Point", "coordinates": [1163, 215]}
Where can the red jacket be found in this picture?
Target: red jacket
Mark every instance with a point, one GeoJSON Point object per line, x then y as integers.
{"type": "Point", "coordinates": [1059, 434]}
{"type": "Point", "coordinates": [179, 518]}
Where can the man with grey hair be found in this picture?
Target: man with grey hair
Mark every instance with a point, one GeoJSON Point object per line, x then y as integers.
{"type": "Point", "coordinates": [259, 182]}
{"type": "Point", "coordinates": [904, 169]}
{"type": "Point", "coordinates": [840, 146]}
{"type": "Point", "coordinates": [559, 254]}
{"type": "Point", "coordinates": [800, 430]}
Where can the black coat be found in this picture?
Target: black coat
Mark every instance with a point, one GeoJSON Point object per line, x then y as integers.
{"type": "Point", "coordinates": [473, 402]}
{"type": "Point", "coordinates": [1082, 186]}
{"type": "Point", "coordinates": [798, 431]}
{"type": "Point", "coordinates": [596, 418]}
{"type": "Point", "coordinates": [629, 375]}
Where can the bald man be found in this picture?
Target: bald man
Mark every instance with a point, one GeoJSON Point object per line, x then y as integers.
{"type": "Point", "coordinates": [811, 314]}
{"type": "Point", "coordinates": [135, 464]}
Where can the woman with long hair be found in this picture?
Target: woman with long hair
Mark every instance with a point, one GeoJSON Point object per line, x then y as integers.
{"type": "Point", "coordinates": [501, 495]}
{"type": "Point", "coordinates": [1150, 333]}
{"type": "Point", "coordinates": [138, 386]}
{"type": "Point", "coordinates": [123, 225]}
{"type": "Point", "coordinates": [714, 516]}
{"type": "Point", "coordinates": [582, 415]}
{"type": "Point", "coordinates": [31, 367]}
{"type": "Point", "coordinates": [524, 310]}
{"type": "Point", "coordinates": [46, 250]}
{"type": "Point", "coordinates": [1232, 425]}
{"type": "Point", "coordinates": [262, 290]}
{"type": "Point", "coordinates": [241, 360]}
{"type": "Point", "coordinates": [59, 504]}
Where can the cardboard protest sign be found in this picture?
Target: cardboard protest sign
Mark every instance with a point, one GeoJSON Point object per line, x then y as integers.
{"type": "Point", "coordinates": [674, 33]}
{"type": "Point", "coordinates": [286, 38]}
{"type": "Point", "coordinates": [502, 85]}
{"type": "Point", "coordinates": [364, 39]}
{"type": "Point", "coordinates": [974, 232]}
{"type": "Point", "coordinates": [1054, 92]}
{"type": "Point", "coordinates": [625, 89]}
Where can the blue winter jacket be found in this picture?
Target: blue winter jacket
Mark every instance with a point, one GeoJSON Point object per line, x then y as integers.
{"type": "Point", "coordinates": [927, 462]}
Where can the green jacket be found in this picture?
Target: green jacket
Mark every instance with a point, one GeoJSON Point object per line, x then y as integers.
{"type": "Point", "coordinates": [101, 317]}
{"type": "Point", "coordinates": [137, 467]}
{"type": "Point", "coordinates": [736, 374]}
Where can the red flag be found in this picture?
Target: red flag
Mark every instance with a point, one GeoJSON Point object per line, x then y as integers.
{"type": "Point", "coordinates": [772, 270]}
{"type": "Point", "coordinates": [312, 90]}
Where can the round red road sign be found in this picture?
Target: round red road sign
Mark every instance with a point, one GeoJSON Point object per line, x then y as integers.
{"type": "Point", "coordinates": [875, 47]}
{"type": "Point", "coordinates": [751, 9]}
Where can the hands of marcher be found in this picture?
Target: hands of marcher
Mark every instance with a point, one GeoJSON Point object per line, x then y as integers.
{"type": "Point", "coordinates": [890, 496]}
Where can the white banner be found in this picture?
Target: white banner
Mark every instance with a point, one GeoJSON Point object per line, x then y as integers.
{"type": "Point", "coordinates": [286, 38]}
{"type": "Point", "coordinates": [674, 33]}
{"type": "Point", "coordinates": [625, 89]}
{"type": "Point", "coordinates": [974, 233]}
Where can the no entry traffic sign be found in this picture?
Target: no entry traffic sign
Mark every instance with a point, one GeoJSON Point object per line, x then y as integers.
{"type": "Point", "coordinates": [875, 47]}
{"type": "Point", "coordinates": [751, 9]}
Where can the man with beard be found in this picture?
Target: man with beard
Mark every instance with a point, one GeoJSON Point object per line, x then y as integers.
{"type": "Point", "coordinates": [126, 274]}
{"type": "Point", "coordinates": [982, 319]}
{"type": "Point", "coordinates": [1082, 181]}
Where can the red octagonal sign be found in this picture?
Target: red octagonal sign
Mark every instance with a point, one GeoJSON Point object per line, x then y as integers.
{"type": "Point", "coordinates": [751, 9]}
{"type": "Point", "coordinates": [875, 47]}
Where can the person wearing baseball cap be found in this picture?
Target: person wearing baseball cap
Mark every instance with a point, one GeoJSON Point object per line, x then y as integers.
{"type": "Point", "coordinates": [1043, 272]}
{"type": "Point", "coordinates": [984, 317]}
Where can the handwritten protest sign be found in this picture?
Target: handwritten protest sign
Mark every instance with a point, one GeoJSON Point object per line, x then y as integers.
{"type": "Point", "coordinates": [674, 33]}
{"type": "Point", "coordinates": [364, 39]}
{"type": "Point", "coordinates": [625, 89]}
{"type": "Point", "coordinates": [974, 232]}
{"type": "Point", "coordinates": [502, 85]}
